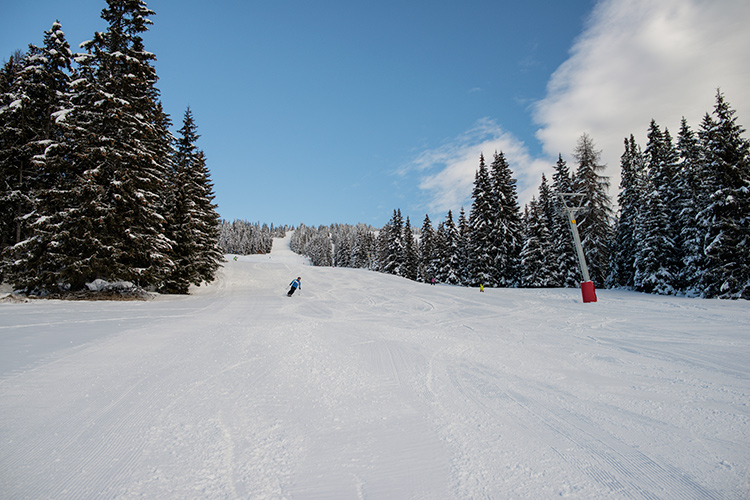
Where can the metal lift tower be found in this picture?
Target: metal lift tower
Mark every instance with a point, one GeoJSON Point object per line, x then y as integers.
{"type": "Point", "coordinates": [573, 203]}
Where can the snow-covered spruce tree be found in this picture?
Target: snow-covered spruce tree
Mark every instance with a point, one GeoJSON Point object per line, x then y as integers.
{"type": "Point", "coordinates": [656, 256]}
{"type": "Point", "coordinates": [564, 252]}
{"type": "Point", "coordinates": [411, 257]}
{"type": "Point", "coordinates": [726, 218]}
{"type": "Point", "coordinates": [625, 244]}
{"type": "Point", "coordinates": [121, 152]}
{"type": "Point", "coordinates": [363, 250]}
{"type": "Point", "coordinates": [342, 246]}
{"type": "Point", "coordinates": [210, 255]}
{"type": "Point", "coordinates": [441, 253]}
{"type": "Point", "coordinates": [193, 224]}
{"type": "Point", "coordinates": [38, 162]}
{"type": "Point", "coordinates": [15, 134]}
{"type": "Point", "coordinates": [449, 270]}
{"type": "Point", "coordinates": [692, 199]}
{"type": "Point", "coordinates": [595, 222]}
{"type": "Point", "coordinates": [507, 231]}
{"type": "Point", "coordinates": [320, 249]}
{"type": "Point", "coordinates": [426, 251]}
{"type": "Point", "coordinates": [548, 218]}
{"type": "Point", "coordinates": [464, 268]}
{"type": "Point", "coordinates": [481, 248]}
{"type": "Point", "coordinates": [536, 253]}
{"type": "Point", "coordinates": [391, 245]}
{"type": "Point", "coordinates": [7, 179]}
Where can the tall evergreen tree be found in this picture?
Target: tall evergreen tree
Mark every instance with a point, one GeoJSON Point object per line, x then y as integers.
{"type": "Point", "coordinates": [193, 224]}
{"type": "Point", "coordinates": [39, 85]}
{"type": "Point", "coordinates": [692, 199]}
{"type": "Point", "coordinates": [7, 140]}
{"type": "Point", "coordinates": [656, 257]}
{"type": "Point", "coordinates": [411, 257]}
{"type": "Point", "coordinates": [549, 218]}
{"type": "Point", "coordinates": [426, 250]}
{"type": "Point", "coordinates": [121, 149]}
{"type": "Point", "coordinates": [391, 245]}
{"type": "Point", "coordinates": [481, 249]}
{"type": "Point", "coordinates": [507, 230]}
{"type": "Point", "coordinates": [625, 244]}
{"type": "Point", "coordinates": [36, 158]}
{"type": "Point", "coordinates": [726, 247]}
{"type": "Point", "coordinates": [363, 252]}
{"type": "Point", "coordinates": [449, 271]}
{"type": "Point", "coordinates": [595, 222]}
{"type": "Point", "coordinates": [564, 252]}
{"type": "Point", "coordinates": [536, 254]}
{"type": "Point", "coordinates": [464, 231]}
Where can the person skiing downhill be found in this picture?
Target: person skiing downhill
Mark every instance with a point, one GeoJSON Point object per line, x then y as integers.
{"type": "Point", "coordinates": [294, 285]}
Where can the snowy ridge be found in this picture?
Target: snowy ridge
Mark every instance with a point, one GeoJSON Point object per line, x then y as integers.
{"type": "Point", "coordinates": [364, 385]}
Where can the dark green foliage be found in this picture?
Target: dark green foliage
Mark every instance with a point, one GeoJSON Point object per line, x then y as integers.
{"type": "Point", "coordinates": [507, 231]}
{"type": "Point", "coordinates": [726, 217]}
{"type": "Point", "coordinates": [632, 185]}
{"type": "Point", "coordinates": [87, 172]}
{"type": "Point", "coordinates": [481, 248]}
{"type": "Point", "coordinates": [193, 224]}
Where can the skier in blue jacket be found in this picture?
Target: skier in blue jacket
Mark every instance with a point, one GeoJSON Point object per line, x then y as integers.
{"type": "Point", "coordinates": [294, 285]}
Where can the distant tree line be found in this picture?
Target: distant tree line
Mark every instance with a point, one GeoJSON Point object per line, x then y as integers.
{"type": "Point", "coordinates": [92, 183]}
{"type": "Point", "coordinates": [245, 238]}
{"type": "Point", "coordinates": [682, 227]}
{"type": "Point", "coordinates": [340, 245]}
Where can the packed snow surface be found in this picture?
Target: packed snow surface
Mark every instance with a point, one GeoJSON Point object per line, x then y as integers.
{"type": "Point", "coordinates": [370, 386]}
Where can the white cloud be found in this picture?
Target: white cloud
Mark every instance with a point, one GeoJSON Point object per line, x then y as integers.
{"type": "Point", "coordinates": [640, 59]}
{"type": "Point", "coordinates": [447, 173]}
{"type": "Point", "coordinates": [635, 60]}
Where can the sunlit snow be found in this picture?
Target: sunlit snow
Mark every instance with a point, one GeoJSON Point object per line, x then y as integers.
{"type": "Point", "coordinates": [364, 385]}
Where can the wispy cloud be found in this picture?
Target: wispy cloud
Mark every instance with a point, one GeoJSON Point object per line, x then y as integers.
{"type": "Point", "coordinates": [634, 61]}
{"type": "Point", "coordinates": [447, 172]}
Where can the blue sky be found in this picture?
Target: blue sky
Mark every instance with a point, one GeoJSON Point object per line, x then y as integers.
{"type": "Point", "coordinates": [341, 111]}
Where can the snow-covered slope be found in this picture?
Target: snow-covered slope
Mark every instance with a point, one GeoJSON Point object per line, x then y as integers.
{"type": "Point", "coordinates": [370, 386]}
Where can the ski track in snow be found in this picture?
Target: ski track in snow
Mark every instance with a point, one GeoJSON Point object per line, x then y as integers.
{"type": "Point", "coordinates": [370, 386]}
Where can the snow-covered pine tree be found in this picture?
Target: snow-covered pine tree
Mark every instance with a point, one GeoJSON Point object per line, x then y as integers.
{"type": "Point", "coordinates": [193, 223]}
{"type": "Point", "coordinates": [464, 268]}
{"type": "Point", "coordinates": [481, 249]}
{"type": "Point", "coordinates": [564, 252]}
{"type": "Point", "coordinates": [411, 258]}
{"type": "Point", "coordinates": [363, 249]}
{"type": "Point", "coordinates": [342, 248]}
{"type": "Point", "coordinates": [507, 230]}
{"type": "Point", "coordinates": [426, 251]}
{"type": "Point", "coordinates": [656, 255]}
{"type": "Point", "coordinates": [726, 218]}
{"type": "Point", "coordinates": [210, 256]}
{"type": "Point", "coordinates": [549, 218]}
{"type": "Point", "coordinates": [42, 92]}
{"type": "Point", "coordinates": [120, 150]}
{"type": "Point", "coordinates": [441, 253]}
{"type": "Point", "coordinates": [391, 245]}
{"type": "Point", "coordinates": [625, 245]}
{"type": "Point", "coordinates": [450, 263]}
{"type": "Point", "coordinates": [38, 88]}
{"type": "Point", "coordinates": [595, 222]}
{"type": "Point", "coordinates": [7, 210]}
{"type": "Point", "coordinates": [536, 254]}
{"type": "Point", "coordinates": [692, 199]}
